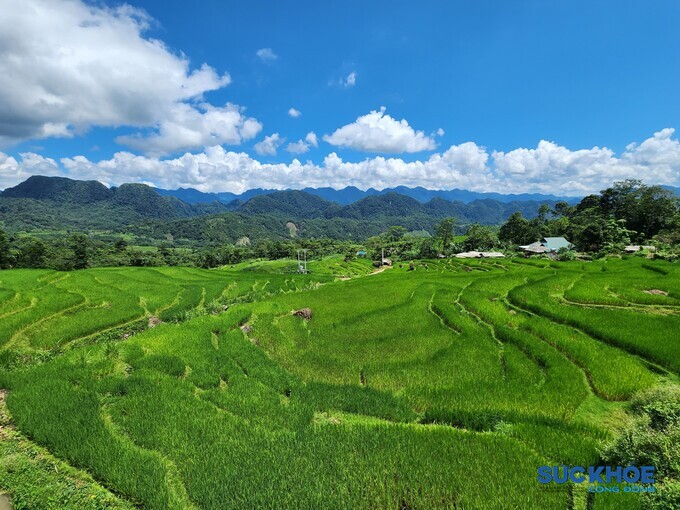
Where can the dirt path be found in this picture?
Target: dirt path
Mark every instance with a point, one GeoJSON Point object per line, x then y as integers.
{"type": "Point", "coordinates": [379, 270]}
{"type": "Point", "coordinates": [4, 416]}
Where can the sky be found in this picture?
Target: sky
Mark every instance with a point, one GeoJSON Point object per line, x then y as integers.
{"type": "Point", "coordinates": [560, 97]}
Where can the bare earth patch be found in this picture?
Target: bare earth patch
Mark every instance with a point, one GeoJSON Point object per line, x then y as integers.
{"type": "Point", "coordinates": [154, 321]}
{"type": "Point", "coordinates": [656, 292]}
{"type": "Point", "coordinates": [4, 417]}
{"type": "Point", "coordinates": [305, 313]}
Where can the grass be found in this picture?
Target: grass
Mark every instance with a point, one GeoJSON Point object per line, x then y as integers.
{"type": "Point", "coordinates": [440, 387]}
{"type": "Point", "coordinates": [38, 480]}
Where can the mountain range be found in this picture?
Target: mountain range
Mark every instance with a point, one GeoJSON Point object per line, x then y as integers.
{"type": "Point", "coordinates": [351, 194]}
{"type": "Point", "coordinates": [58, 204]}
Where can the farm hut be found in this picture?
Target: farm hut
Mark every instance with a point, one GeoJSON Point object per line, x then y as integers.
{"type": "Point", "coordinates": [554, 244]}
{"type": "Point", "coordinates": [386, 262]}
{"type": "Point", "coordinates": [469, 255]}
{"type": "Point", "coordinates": [361, 253]}
{"type": "Point", "coordinates": [492, 255]}
{"type": "Point", "coordinates": [547, 245]}
{"type": "Point", "coordinates": [536, 247]}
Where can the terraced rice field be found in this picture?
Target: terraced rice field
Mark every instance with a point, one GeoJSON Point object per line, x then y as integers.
{"type": "Point", "coordinates": [442, 387]}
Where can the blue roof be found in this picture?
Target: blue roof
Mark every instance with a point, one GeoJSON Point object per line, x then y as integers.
{"type": "Point", "coordinates": [555, 243]}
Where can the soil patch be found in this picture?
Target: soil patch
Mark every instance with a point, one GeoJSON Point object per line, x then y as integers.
{"type": "Point", "coordinates": [656, 292]}
{"type": "Point", "coordinates": [305, 313]}
{"type": "Point", "coordinates": [154, 321]}
{"type": "Point", "coordinates": [5, 502]}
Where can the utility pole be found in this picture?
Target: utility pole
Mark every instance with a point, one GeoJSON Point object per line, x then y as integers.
{"type": "Point", "coordinates": [302, 261]}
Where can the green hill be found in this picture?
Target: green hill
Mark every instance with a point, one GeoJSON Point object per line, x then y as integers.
{"type": "Point", "coordinates": [57, 204]}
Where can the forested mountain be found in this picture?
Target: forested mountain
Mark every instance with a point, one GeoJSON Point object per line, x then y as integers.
{"type": "Point", "coordinates": [301, 205]}
{"type": "Point", "coordinates": [293, 204]}
{"type": "Point", "coordinates": [351, 194]}
{"type": "Point", "coordinates": [50, 204]}
{"type": "Point", "coordinates": [56, 203]}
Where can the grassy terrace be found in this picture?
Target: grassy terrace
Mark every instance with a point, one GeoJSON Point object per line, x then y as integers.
{"type": "Point", "coordinates": [441, 387]}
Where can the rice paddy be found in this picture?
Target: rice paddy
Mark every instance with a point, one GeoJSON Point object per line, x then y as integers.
{"type": "Point", "coordinates": [445, 386]}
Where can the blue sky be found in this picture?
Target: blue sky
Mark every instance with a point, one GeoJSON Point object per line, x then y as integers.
{"type": "Point", "coordinates": [502, 76]}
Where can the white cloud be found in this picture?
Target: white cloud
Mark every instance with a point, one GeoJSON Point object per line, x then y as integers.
{"type": "Point", "coordinates": [302, 146]}
{"type": "Point", "coordinates": [189, 127]}
{"type": "Point", "coordinates": [268, 146]}
{"type": "Point", "coordinates": [67, 65]}
{"type": "Point", "coordinates": [13, 172]}
{"type": "Point", "coordinates": [292, 112]}
{"type": "Point", "coordinates": [351, 79]}
{"type": "Point", "coordinates": [299, 147]}
{"type": "Point", "coordinates": [378, 132]}
{"type": "Point", "coordinates": [266, 55]}
{"type": "Point", "coordinates": [548, 168]}
{"type": "Point", "coordinates": [440, 132]}
{"type": "Point", "coordinates": [552, 168]}
{"type": "Point", "coordinates": [311, 139]}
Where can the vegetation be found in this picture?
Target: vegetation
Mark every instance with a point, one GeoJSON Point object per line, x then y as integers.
{"type": "Point", "coordinates": [629, 212]}
{"type": "Point", "coordinates": [135, 377]}
{"type": "Point", "coordinates": [185, 388]}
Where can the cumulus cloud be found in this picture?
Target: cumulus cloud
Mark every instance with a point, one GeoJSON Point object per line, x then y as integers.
{"type": "Point", "coordinates": [299, 147]}
{"type": "Point", "coordinates": [13, 171]}
{"type": "Point", "coordinates": [266, 55]}
{"type": "Point", "coordinates": [311, 139]}
{"type": "Point", "coordinates": [302, 146]}
{"type": "Point", "coordinates": [548, 168]}
{"type": "Point", "coordinates": [187, 127]}
{"type": "Point", "coordinates": [292, 112]}
{"type": "Point", "coordinates": [68, 65]}
{"type": "Point", "coordinates": [378, 132]}
{"type": "Point", "coordinates": [269, 145]}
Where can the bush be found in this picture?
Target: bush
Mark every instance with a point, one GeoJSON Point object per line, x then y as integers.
{"type": "Point", "coordinates": [661, 404]}
{"type": "Point", "coordinates": [653, 440]}
{"type": "Point", "coordinates": [565, 254]}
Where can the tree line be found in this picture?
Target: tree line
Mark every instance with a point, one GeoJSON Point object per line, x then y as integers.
{"type": "Point", "coordinates": [627, 212]}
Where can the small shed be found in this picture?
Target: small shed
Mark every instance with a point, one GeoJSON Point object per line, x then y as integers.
{"type": "Point", "coordinates": [361, 253]}
{"type": "Point", "coordinates": [492, 255]}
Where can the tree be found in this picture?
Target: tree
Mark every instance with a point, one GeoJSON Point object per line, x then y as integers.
{"type": "Point", "coordinates": [427, 249]}
{"type": "Point", "coordinates": [518, 230]}
{"type": "Point", "coordinates": [120, 245]}
{"type": "Point", "coordinates": [394, 234]}
{"type": "Point", "coordinates": [32, 254]}
{"type": "Point", "coordinates": [480, 237]}
{"type": "Point", "coordinates": [646, 209]}
{"type": "Point", "coordinates": [5, 255]}
{"type": "Point", "coordinates": [445, 231]}
{"type": "Point", "coordinates": [562, 209]}
{"type": "Point", "coordinates": [79, 245]}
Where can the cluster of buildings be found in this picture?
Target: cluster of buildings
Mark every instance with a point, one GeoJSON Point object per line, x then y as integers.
{"type": "Point", "coordinates": [547, 245]}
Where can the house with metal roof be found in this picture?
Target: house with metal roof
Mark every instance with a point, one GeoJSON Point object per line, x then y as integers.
{"type": "Point", "coordinates": [536, 247]}
{"type": "Point", "coordinates": [553, 244]}
{"type": "Point", "coordinates": [547, 245]}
